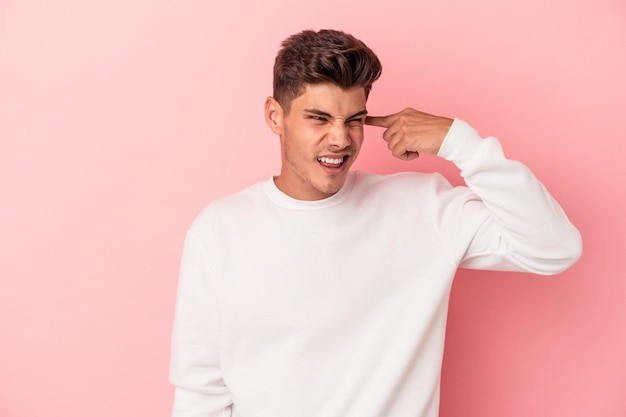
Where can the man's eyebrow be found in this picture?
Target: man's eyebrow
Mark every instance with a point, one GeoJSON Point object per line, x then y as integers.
{"type": "Point", "coordinates": [358, 114]}
{"type": "Point", "coordinates": [318, 112]}
{"type": "Point", "coordinates": [328, 115]}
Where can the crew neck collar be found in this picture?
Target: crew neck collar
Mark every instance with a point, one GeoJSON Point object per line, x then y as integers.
{"type": "Point", "coordinates": [282, 199]}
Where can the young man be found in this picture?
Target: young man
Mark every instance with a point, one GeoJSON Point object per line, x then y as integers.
{"type": "Point", "coordinates": [324, 292]}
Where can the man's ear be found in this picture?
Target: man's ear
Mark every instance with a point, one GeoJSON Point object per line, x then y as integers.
{"type": "Point", "coordinates": [274, 115]}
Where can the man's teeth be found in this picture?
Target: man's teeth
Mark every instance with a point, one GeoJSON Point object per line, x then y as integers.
{"type": "Point", "coordinates": [333, 161]}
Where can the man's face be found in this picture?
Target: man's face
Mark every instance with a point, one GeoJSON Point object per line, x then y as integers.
{"type": "Point", "coordinates": [320, 139]}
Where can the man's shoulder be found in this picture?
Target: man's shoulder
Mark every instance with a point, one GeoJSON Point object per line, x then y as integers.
{"type": "Point", "coordinates": [395, 181]}
{"type": "Point", "coordinates": [231, 205]}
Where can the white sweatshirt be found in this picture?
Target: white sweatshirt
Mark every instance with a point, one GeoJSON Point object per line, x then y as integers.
{"type": "Point", "coordinates": [337, 307]}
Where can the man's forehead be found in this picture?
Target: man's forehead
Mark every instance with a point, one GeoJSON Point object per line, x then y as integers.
{"type": "Point", "coordinates": [332, 100]}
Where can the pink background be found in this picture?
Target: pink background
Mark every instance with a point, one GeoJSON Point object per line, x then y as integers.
{"type": "Point", "coordinates": [120, 120]}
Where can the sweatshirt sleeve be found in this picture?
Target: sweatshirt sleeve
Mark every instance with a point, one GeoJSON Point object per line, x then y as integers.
{"type": "Point", "coordinates": [524, 228]}
{"type": "Point", "coordinates": [195, 366]}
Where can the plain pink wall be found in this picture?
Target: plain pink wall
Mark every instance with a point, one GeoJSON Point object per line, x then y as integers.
{"type": "Point", "coordinates": [120, 120]}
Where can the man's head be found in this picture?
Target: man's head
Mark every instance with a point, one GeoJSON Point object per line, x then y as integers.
{"type": "Point", "coordinates": [327, 56]}
{"type": "Point", "coordinates": [321, 83]}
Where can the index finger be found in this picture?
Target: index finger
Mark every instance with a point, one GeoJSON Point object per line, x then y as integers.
{"type": "Point", "coordinates": [379, 121]}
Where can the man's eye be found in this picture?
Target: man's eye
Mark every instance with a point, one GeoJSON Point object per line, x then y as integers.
{"type": "Point", "coordinates": [318, 118]}
{"type": "Point", "coordinates": [355, 123]}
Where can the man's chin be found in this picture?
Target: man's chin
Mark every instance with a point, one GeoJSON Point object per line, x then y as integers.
{"type": "Point", "coordinates": [332, 187]}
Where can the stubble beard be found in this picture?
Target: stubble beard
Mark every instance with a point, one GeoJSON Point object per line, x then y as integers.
{"type": "Point", "coordinates": [322, 182]}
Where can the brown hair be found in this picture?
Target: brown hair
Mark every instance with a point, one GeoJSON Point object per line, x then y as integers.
{"type": "Point", "coordinates": [327, 56]}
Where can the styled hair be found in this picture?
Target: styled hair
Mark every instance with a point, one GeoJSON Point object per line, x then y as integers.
{"type": "Point", "coordinates": [327, 56]}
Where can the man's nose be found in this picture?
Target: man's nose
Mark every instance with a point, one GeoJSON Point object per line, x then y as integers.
{"type": "Point", "coordinates": [338, 135]}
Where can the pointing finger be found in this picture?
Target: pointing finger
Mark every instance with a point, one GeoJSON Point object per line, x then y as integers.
{"type": "Point", "coordinates": [379, 121]}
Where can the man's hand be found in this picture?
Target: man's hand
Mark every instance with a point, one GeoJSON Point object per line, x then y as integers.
{"type": "Point", "coordinates": [411, 132]}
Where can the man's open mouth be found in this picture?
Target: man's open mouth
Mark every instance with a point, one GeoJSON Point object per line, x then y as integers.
{"type": "Point", "coordinates": [332, 162]}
